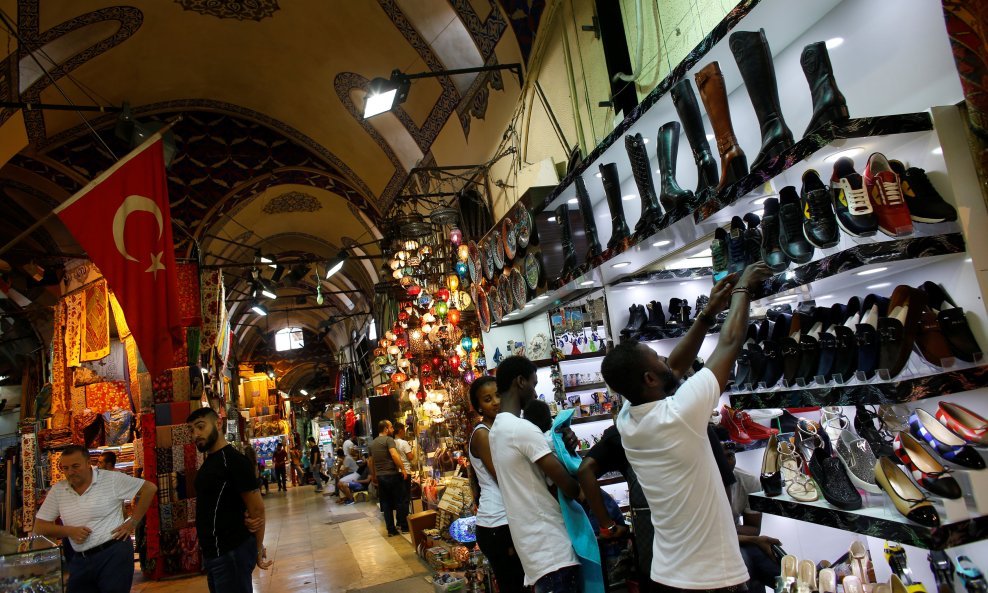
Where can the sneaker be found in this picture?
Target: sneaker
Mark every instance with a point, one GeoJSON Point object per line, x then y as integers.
{"type": "Point", "coordinates": [882, 185]}
{"type": "Point", "coordinates": [851, 205]}
{"type": "Point", "coordinates": [735, 246]}
{"type": "Point", "coordinates": [924, 201]}
{"type": "Point", "coordinates": [349, 502]}
{"type": "Point", "coordinates": [819, 222]}
{"type": "Point", "coordinates": [752, 239]}
{"type": "Point", "coordinates": [718, 254]}
{"type": "Point", "coordinates": [792, 241]}
{"type": "Point", "coordinates": [771, 253]}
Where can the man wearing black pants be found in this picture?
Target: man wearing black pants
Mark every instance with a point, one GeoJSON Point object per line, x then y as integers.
{"type": "Point", "coordinates": [388, 473]}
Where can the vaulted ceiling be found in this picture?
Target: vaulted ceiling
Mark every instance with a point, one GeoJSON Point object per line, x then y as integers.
{"type": "Point", "coordinates": [272, 153]}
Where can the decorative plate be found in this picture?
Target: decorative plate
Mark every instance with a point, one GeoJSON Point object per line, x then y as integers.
{"type": "Point", "coordinates": [494, 302]}
{"type": "Point", "coordinates": [538, 348]}
{"type": "Point", "coordinates": [523, 226]}
{"type": "Point", "coordinates": [504, 289]}
{"type": "Point", "coordinates": [483, 311]}
{"type": "Point", "coordinates": [533, 270]}
{"type": "Point", "coordinates": [518, 290]}
{"type": "Point", "coordinates": [509, 239]}
{"type": "Point", "coordinates": [487, 260]}
{"type": "Point", "coordinates": [473, 262]}
{"type": "Point", "coordinates": [497, 247]}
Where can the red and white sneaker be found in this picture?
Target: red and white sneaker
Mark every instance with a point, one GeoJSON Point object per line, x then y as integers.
{"type": "Point", "coordinates": [885, 193]}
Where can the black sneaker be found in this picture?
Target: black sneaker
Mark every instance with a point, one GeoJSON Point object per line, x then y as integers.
{"type": "Point", "coordinates": [819, 222]}
{"type": "Point", "coordinates": [851, 204]}
{"type": "Point", "coordinates": [752, 239]}
{"type": "Point", "coordinates": [735, 246]}
{"type": "Point", "coordinates": [772, 254]}
{"type": "Point", "coordinates": [791, 239]}
{"type": "Point", "coordinates": [924, 201]}
{"type": "Point", "coordinates": [718, 254]}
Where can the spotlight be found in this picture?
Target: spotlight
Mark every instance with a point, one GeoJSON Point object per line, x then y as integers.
{"type": "Point", "coordinates": [303, 392]}
{"type": "Point", "coordinates": [334, 265]}
{"type": "Point", "coordinates": [384, 93]}
{"type": "Point", "coordinates": [259, 308]}
{"type": "Point", "coordinates": [265, 289]}
{"type": "Point", "coordinates": [279, 271]}
{"type": "Point", "coordinates": [263, 259]}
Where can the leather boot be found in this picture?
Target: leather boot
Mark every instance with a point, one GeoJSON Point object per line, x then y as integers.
{"type": "Point", "coordinates": [594, 249]}
{"type": "Point", "coordinates": [651, 214]}
{"type": "Point", "coordinates": [829, 106]}
{"type": "Point", "coordinates": [754, 59]}
{"type": "Point", "coordinates": [612, 190]}
{"type": "Point", "coordinates": [671, 195]}
{"type": "Point", "coordinates": [733, 163]}
{"type": "Point", "coordinates": [688, 109]}
{"type": "Point", "coordinates": [569, 250]}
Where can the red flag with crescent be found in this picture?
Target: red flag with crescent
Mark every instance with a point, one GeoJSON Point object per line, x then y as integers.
{"type": "Point", "coordinates": [122, 220]}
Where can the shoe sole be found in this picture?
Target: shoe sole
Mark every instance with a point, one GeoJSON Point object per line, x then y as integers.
{"type": "Point", "coordinates": [858, 482]}
{"type": "Point", "coordinates": [894, 235]}
{"type": "Point", "coordinates": [818, 245]}
{"type": "Point", "coordinates": [930, 220]}
{"type": "Point", "coordinates": [852, 233]}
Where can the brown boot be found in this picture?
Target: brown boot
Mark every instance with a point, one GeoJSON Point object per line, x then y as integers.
{"type": "Point", "coordinates": [733, 163]}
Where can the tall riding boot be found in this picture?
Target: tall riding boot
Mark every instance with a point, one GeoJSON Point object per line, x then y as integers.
{"type": "Point", "coordinates": [829, 105]}
{"type": "Point", "coordinates": [589, 224]}
{"type": "Point", "coordinates": [569, 250]}
{"type": "Point", "coordinates": [688, 109]}
{"type": "Point", "coordinates": [754, 59]}
{"type": "Point", "coordinates": [612, 190]}
{"type": "Point", "coordinates": [651, 214]}
{"type": "Point", "coordinates": [733, 163]}
{"type": "Point", "coordinates": [672, 196]}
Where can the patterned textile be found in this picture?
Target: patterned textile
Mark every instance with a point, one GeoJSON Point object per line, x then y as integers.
{"type": "Point", "coordinates": [54, 438]}
{"type": "Point", "coordinates": [181, 384]}
{"type": "Point", "coordinates": [163, 435]}
{"type": "Point", "coordinates": [82, 376]}
{"type": "Point", "coordinates": [180, 411]}
{"type": "Point", "coordinates": [189, 544]}
{"type": "Point", "coordinates": [118, 426]}
{"type": "Point", "coordinates": [181, 357]}
{"type": "Point", "coordinates": [180, 509]}
{"type": "Point", "coordinates": [96, 322]}
{"type": "Point", "coordinates": [180, 493]}
{"type": "Point", "coordinates": [74, 311]}
{"type": "Point", "coordinates": [191, 462]}
{"type": "Point", "coordinates": [78, 398]}
{"type": "Point", "coordinates": [59, 384]}
{"type": "Point", "coordinates": [113, 366]}
{"type": "Point", "coordinates": [138, 453]}
{"type": "Point", "coordinates": [190, 490]}
{"type": "Point", "coordinates": [62, 420]}
{"type": "Point", "coordinates": [178, 459]}
{"type": "Point", "coordinates": [55, 472]}
{"type": "Point", "coordinates": [87, 428]}
{"type": "Point", "coordinates": [193, 339]}
{"type": "Point", "coordinates": [118, 317]}
{"type": "Point", "coordinates": [191, 516]}
{"type": "Point", "coordinates": [166, 511]}
{"type": "Point", "coordinates": [109, 395]}
{"type": "Point", "coordinates": [166, 484]}
{"type": "Point", "coordinates": [163, 459]}
{"type": "Point", "coordinates": [226, 341]}
{"type": "Point", "coordinates": [189, 303]}
{"type": "Point", "coordinates": [172, 552]}
{"type": "Point", "coordinates": [163, 414]}
{"type": "Point", "coordinates": [163, 388]}
{"type": "Point", "coordinates": [181, 435]}
{"type": "Point", "coordinates": [146, 388]}
{"type": "Point", "coordinates": [133, 375]}
{"type": "Point", "coordinates": [213, 309]}
{"type": "Point", "coordinates": [28, 461]}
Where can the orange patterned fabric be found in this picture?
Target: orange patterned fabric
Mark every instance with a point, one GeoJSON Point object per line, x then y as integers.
{"type": "Point", "coordinates": [74, 310]}
{"type": "Point", "coordinates": [118, 318]}
{"type": "Point", "coordinates": [59, 387]}
{"type": "Point", "coordinates": [96, 322]}
{"type": "Point", "coordinates": [130, 347]}
{"type": "Point", "coordinates": [189, 301]}
{"type": "Point", "coordinates": [109, 395]}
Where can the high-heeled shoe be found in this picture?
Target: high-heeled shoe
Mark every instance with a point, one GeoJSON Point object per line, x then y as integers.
{"type": "Point", "coordinates": [833, 421]}
{"type": "Point", "coordinates": [771, 476]}
{"type": "Point", "coordinates": [807, 439]}
{"type": "Point", "coordinates": [947, 444]}
{"type": "Point", "coordinates": [827, 580]}
{"type": "Point", "coordinates": [799, 486]}
{"type": "Point", "coordinates": [902, 576]}
{"type": "Point", "coordinates": [896, 585]}
{"type": "Point", "coordinates": [963, 422]}
{"type": "Point", "coordinates": [859, 559]}
{"type": "Point", "coordinates": [864, 425]}
{"type": "Point", "coordinates": [852, 584]}
{"type": "Point", "coordinates": [905, 496]}
{"type": "Point", "coordinates": [926, 470]}
{"type": "Point", "coordinates": [806, 576]}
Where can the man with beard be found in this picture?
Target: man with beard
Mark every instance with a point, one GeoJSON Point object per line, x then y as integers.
{"type": "Point", "coordinates": [89, 502]}
{"type": "Point", "coordinates": [227, 492]}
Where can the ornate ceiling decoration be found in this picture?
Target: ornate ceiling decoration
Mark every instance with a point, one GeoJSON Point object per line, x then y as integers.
{"type": "Point", "coordinates": [293, 201]}
{"type": "Point", "coordinates": [242, 10]}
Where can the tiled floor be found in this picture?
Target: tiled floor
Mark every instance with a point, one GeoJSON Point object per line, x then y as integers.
{"type": "Point", "coordinates": [321, 547]}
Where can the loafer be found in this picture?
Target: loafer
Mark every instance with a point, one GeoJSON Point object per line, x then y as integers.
{"type": "Point", "coordinates": [953, 322]}
{"type": "Point", "coordinates": [929, 473]}
{"type": "Point", "coordinates": [947, 444]}
{"type": "Point", "coordinates": [836, 486]}
{"type": "Point", "coordinates": [930, 340]}
{"type": "Point", "coordinates": [963, 422]}
{"type": "Point", "coordinates": [858, 459]}
{"type": "Point", "coordinates": [899, 328]}
{"type": "Point", "coordinates": [905, 496]}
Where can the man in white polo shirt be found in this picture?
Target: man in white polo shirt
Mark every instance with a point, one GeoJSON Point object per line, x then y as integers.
{"type": "Point", "coordinates": [89, 501]}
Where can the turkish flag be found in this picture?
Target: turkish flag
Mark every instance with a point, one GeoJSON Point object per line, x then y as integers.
{"type": "Point", "coordinates": [123, 221]}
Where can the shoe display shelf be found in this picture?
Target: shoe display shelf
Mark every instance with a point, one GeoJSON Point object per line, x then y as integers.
{"type": "Point", "coordinates": [879, 521]}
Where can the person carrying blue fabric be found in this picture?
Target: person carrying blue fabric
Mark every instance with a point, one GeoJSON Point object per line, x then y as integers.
{"type": "Point", "coordinates": [523, 460]}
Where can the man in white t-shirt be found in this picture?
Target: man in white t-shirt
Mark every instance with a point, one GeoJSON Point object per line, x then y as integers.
{"type": "Point", "coordinates": [663, 430]}
{"type": "Point", "coordinates": [348, 446]}
{"type": "Point", "coordinates": [523, 461]}
{"type": "Point", "coordinates": [407, 454]}
{"type": "Point", "coordinates": [89, 502]}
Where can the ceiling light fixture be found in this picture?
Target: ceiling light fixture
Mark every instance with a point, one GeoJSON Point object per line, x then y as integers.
{"type": "Point", "coordinates": [835, 42]}
{"type": "Point", "coordinates": [586, 283]}
{"type": "Point", "coordinates": [623, 264]}
{"type": "Point", "coordinates": [937, 151]}
{"type": "Point", "coordinates": [259, 308]}
{"type": "Point", "coordinates": [303, 392]}
{"type": "Point", "coordinates": [879, 285]}
{"type": "Point", "coordinates": [336, 264]}
{"type": "Point", "coordinates": [551, 219]}
{"type": "Point", "coordinates": [661, 243]}
{"type": "Point", "coordinates": [383, 94]}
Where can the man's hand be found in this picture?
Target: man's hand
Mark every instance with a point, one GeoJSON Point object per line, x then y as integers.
{"type": "Point", "coordinates": [720, 294]}
{"type": "Point", "coordinates": [124, 530]}
{"type": "Point", "coordinates": [262, 558]}
{"type": "Point", "coordinates": [253, 525]}
{"type": "Point", "coordinates": [570, 439]}
{"type": "Point", "coordinates": [763, 542]}
{"type": "Point", "coordinates": [754, 275]}
{"type": "Point", "coordinates": [79, 534]}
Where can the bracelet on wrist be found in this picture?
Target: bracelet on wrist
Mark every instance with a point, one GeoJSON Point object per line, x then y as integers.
{"type": "Point", "coordinates": [741, 290]}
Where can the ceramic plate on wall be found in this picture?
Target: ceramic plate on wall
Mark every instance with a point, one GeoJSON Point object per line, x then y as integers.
{"type": "Point", "coordinates": [504, 289]}
{"type": "Point", "coordinates": [497, 249]}
{"type": "Point", "coordinates": [483, 312]}
{"type": "Point", "coordinates": [533, 270]}
{"type": "Point", "coordinates": [473, 262]}
{"type": "Point", "coordinates": [509, 239]}
{"type": "Point", "coordinates": [523, 226]}
{"type": "Point", "coordinates": [487, 259]}
{"type": "Point", "coordinates": [518, 290]}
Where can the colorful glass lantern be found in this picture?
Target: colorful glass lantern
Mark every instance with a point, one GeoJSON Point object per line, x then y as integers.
{"type": "Point", "coordinates": [414, 290]}
{"type": "Point", "coordinates": [454, 361]}
{"type": "Point", "coordinates": [453, 315]}
{"type": "Point", "coordinates": [442, 294]}
{"type": "Point", "coordinates": [426, 369]}
{"type": "Point", "coordinates": [453, 282]}
{"type": "Point", "coordinates": [466, 343]}
{"type": "Point", "coordinates": [455, 236]}
{"type": "Point", "coordinates": [440, 308]}
{"type": "Point", "coordinates": [425, 251]}
{"type": "Point", "coordinates": [411, 245]}
{"type": "Point", "coordinates": [463, 252]}
{"type": "Point", "coordinates": [399, 377]}
{"type": "Point", "coordinates": [464, 531]}
{"type": "Point", "coordinates": [462, 269]}
{"type": "Point", "coordinates": [469, 377]}
{"type": "Point", "coordinates": [394, 350]}
{"type": "Point", "coordinates": [401, 255]}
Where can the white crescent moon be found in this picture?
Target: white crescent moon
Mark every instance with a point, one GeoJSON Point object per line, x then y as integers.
{"type": "Point", "coordinates": [130, 205]}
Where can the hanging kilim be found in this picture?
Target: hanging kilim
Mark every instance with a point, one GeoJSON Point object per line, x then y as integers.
{"type": "Point", "coordinates": [213, 309]}
{"type": "Point", "coordinates": [96, 322]}
{"type": "Point", "coordinates": [28, 463]}
{"type": "Point", "coordinates": [189, 298]}
{"type": "Point", "coordinates": [59, 389]}
{"type": "Point", "coordinates": [74, 310]}
{"type": "Point", "coordinates": [118, 317]}
{"type": "Point", "coordinates": [133, 376]}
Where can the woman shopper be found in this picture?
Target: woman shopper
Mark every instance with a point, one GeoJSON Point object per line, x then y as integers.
{"type": "Point", "coordinates": [493, 535]}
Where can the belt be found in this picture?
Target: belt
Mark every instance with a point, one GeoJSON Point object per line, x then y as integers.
{"type": "Point", "coordinates": [95, 549]}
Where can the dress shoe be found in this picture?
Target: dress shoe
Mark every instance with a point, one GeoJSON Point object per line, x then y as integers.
{"type": "Point", "coordinates": [789, 348]}
{"type": "Point", "coordinates": [771, 348]}
{"type": "Point", "coordinates": [906, 497]}
{"type": "Point", "coordinates": [899, 328]}
{"type": "Point", "coordinates": [735, 246]}
{"type": "Point", "coordinates": [809, 346]}
{"type": "Point", "coordinates": [713, 93]}
{"type": "Point", "coordinates": [963, 422]}
{"type": "Point", "coordinates": [858, 459]}
{"type": "Point", "coordinates": [869, 341]}
{"type": "Point", "coordinates": [926, 470]}
{"type": "Point", "coordinates": [846, 347]}
{"type": "Point", "coordinates": [771, 253]}
{"type": "Point", "coordinates": [953, 323]}
{"type": "Point", "coordinates": [924, 201]}
{"type": "Point", "coordinates": [930, 341]}
{"type": "Point", "coordinates": [827, 340]}
{"type": "Point", "coordinates": [791, 239]}
{"type": "Point", "coordinates": [837, 487]}
{"type": "Point", "coordinates": [819, 221]}
{"type": "Point", "coordinates": [752, 239]}
{"type": "Point", "coordinates": [691, 118]}
{"type": "Point", "coordinates": [947, 444]}
{"type": "Point", "coordinates": [882, 185]}
{"type": "Point", "coordinates": [754, 58]}
{"type": "Point", "coordinates": [771, 476]}
{"type": "Point", "coordinates": [719, 254]}
{"type": "Point", "coordinates": [855, 216]}
{"type": "Point", "coordinates": [829, 106]}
